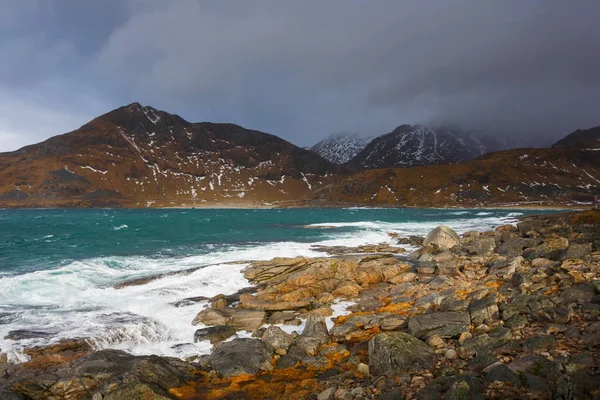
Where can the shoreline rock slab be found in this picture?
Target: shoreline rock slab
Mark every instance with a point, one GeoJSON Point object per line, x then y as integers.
{"type": "Point", "coordinates": [445, 324]}
{"type": "Point", "coordinates": [240, 319]}
{"type": "Point", "coordinates": [241, 357]}
{"type": "Point", "coordinates": [397, 353]}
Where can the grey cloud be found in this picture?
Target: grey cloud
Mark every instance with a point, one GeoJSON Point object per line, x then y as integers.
{"type": "Point", "coordinates": [303, 70]}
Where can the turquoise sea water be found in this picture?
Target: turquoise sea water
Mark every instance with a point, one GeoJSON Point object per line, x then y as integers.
{"type": "Point", "coordinates": [57, 267]}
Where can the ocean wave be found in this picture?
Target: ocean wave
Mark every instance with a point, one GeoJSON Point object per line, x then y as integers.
{"type": "Point", "coordinates": [79, 299]}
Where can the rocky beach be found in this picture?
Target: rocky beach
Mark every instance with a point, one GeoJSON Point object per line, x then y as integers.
{"type": "Point", "coordinates": [508, 313]}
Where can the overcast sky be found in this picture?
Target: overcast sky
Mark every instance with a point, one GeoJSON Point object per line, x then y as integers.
{"type": "Point", "coordinates": [302, 69]}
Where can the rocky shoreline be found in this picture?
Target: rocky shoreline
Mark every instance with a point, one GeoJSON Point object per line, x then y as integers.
{"type": "Point", "coordinates": [510, 313]}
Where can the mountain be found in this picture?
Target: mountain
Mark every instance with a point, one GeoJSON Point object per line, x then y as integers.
{"type": "Point", "coordinates": [558, 175]}
{"type": "Point", "coordinates": [583, 138]}
{"type": "Point", "coordinates": [341, 148]}
{"type": "Point", "coordinates": [138, 156]}
{"type": "Point", "coordinates": [415, 145]}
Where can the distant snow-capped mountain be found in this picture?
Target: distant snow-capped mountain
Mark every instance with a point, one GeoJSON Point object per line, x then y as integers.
{"type": "Point", "coordinates": [416, 145]}
{"type": "Point", "coordinates": [341, 148]}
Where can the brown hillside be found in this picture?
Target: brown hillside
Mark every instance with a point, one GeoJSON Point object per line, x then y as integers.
{"type": "Point", "coordinates": [554, 176]}
{"type": "Point", "coordinates": [137, 156]}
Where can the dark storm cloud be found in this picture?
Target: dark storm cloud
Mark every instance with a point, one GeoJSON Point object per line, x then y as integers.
{"type": "Point", "coordinates": [303, 70]}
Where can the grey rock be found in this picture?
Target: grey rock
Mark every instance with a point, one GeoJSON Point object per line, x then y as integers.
{"type": "Point", "coordinates": [327, 394]}
{"type": "Point", "coordinates": [555, 315]}
{"type": "Point", "coordinates": [442, 237]}
{"type": "Point", "coordinates": [577, 251]}
{"type": "Point", "coordinates": [516, 322]}
{"type": "Point", "coordinates": [285, 362]}
{"type": "Point", "coordinates": [280, 317]}
{"type": "Point", "coordinates": [215, 334]}
{"type": "Point", "coordinates": [499, 372]}
{"type": "Point", "coordinates": [450, 304]}
{"type": "Point", "coordinates": [106, 374]}
{"type": "Point", "coordinates": [460, 390]}
{"type": "Point", "coordinates": [433, 299]}
{"type": "Point", "coordinates": [241, 356]}
{"type": "Point", "coordinates": [392, 323]}
{"type": "Point", "coordinates": [579, 294]}
{"type": "Point", "coordinates": [552, 248]}
{"type": "Point", "coordinates": [512, 247]}
{"type": "Point", "coordinates": [536, 384]}
{"type": "Point", "coordinates": [445, 324]}
{"type": "Point", "coordinates": [276, 338]}
{"type": "Point", "coordinates": [484, 311]}
{"type": "Point", "coordinates": [397, 352]}
{"type": "Point", "coordinates": [533, 363]}
{"type": "Point", "coordinates": [313, 336]}
{"type": "Point", "coordinates": [343, 329]}
{"type": "Point", "coordinates": [483, 343]}
{"type": "Point", "coordinates": [508, 268]}
{"type": "Point", "coordinates": [249, 320]}
{"type": "Point", "coordinates": [539, 343]}
{"type": "Point", "coordinates": [482, 247]}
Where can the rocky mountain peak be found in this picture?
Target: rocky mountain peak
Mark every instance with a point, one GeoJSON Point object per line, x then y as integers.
{"type": "Point", "coordinates": [144, 120]}
{"type": "Point", "coordinates": [416, 145]}
{"type": "Point", "coordinates": [341, 147]}
{"type": "Point", "coordinates": [138, 156]}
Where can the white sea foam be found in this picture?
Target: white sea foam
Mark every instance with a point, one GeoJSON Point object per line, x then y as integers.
{"type": "Point", "coordinates": [79, 300]}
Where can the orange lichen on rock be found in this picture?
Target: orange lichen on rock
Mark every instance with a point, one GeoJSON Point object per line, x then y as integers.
{"type": "Point", "coordinates": [289, 383]}
{"type": "Point", "coordinates": [397, 308]}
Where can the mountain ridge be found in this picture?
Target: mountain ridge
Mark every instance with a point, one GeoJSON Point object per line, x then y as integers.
{"type": "Point", "coordinates": [551, 176]}
{"type": "Point", "coordinates": [341, 148]}
{"type": "Point", "coordinates": [416, 145]}
{"type": "Point", "coordinates": [139, 156]}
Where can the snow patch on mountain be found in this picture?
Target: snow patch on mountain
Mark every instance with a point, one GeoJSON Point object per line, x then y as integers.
{"type": "Point", "coordinates": [341, 148]}
{"type": "Point", "coordinates": [416, 145]}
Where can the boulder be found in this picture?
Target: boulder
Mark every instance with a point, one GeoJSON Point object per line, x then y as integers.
{"type": "Point", "coordinates": [579, 294]}
{"type": "Point", "coordinates": [392, 323]}
{"type": "Point", "coordinates": [215, 334]}
{"type": "Point", "coordinates": [252, 302]}
{"type": "Point", "coordinates": [444, 324]}
{"type": "Point", "coordinates": [499, 372]}
{"type": "Point", "coordinates": [482, 247]}
{"type": "Point", "coordinates": [240, 319]}
{"type": "Point", "coordinates": [106, 374]}
{"type": "Point", "coordinates": [241, 357]}
{"type": "Point", "coordinates": [275, 338]}
{"type": "Point", "coordinates": [485, 310]}
{"type": "Point", "coordinates": [313, 336]}
{"type": "Point", "coordinates": [554, 315]}
{"type": "Point", "coordinates": [412, 240]}
{"type": "Point", "coordinates": [443, 237]}
{"type": "Point", "coordinates": [506, 269]}
{"type": "Point", "coordinates": [577, 251]}
{"type": "Point", "coordinates": [482, 344]}
{"type": "Point", "coordinates": [281, 317]}
{"type": "Point", "coordinates": [57, 353]}
{"type": "Point", "coordinates": [512, 247]}
{"type": "Point", "coordinates": [552, 248]}
{"type": "Point", "coordinates": [397, 353]}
